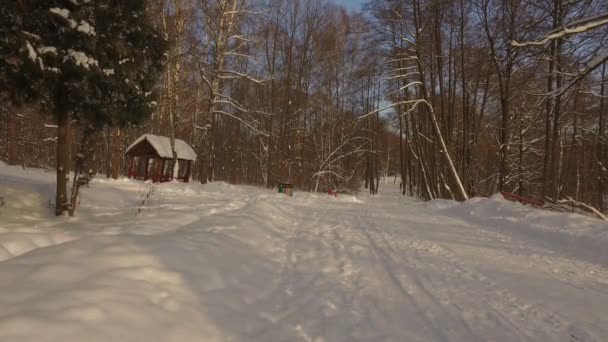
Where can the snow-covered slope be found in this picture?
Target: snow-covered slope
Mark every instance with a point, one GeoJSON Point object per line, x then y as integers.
{"type": "Point", "coordinates": [237, 263]}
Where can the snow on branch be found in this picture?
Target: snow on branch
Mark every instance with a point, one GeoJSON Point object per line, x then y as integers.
{"type": "Point", "coordinates": [62, 12]}
{"type": "Point", "coordinates": [575, 27]}
{"type": "Point", "coordinates": [594, 94]}
{"type": "Point", "coordinates": [231, 74]}
{"type": "Point", "coordinates": [414, 104]}
{"type": "Point", "coordinates": [400, 76]}
{"type": "Point", "coordinates": [31, 52]}
{"type": "Point", "coordinates": [85, 28]}
{"type": "Point", "coordinates": [65, 14]}
{"type": "Point", "coordinates": [81, 59]}
{"type": "Point", "coordinates": [583, 206]}
{"type": "Point", "coordinates": [244, 11]}
{"type": "Point", "coordinates": [591, 65]}
{"type": "Point", "coordinates": [241, 121]}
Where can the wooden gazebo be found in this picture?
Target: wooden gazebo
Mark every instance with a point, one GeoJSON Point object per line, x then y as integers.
{"type": "Point", "coordinates": [151, 157]}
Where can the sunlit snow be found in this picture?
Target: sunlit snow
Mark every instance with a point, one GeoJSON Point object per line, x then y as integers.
{"type": "Point", "coordinates": [238, 263]}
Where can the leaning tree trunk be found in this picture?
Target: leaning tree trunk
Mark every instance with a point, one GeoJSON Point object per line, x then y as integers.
{"type": "Point", "coordinates": [461, 193]}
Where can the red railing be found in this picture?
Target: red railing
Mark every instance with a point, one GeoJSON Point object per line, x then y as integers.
{"type": "Point", "coordinates": [515, 198]}
{"type": "Point", "coordinates": [511, 197]}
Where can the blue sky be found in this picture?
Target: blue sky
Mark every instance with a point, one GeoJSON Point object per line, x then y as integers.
{"type": "Point", "coordinates": [350, 4]}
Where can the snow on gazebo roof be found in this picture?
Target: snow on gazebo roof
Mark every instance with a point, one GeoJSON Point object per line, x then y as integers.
{"type": "Point", "coordinates": [162, 146]}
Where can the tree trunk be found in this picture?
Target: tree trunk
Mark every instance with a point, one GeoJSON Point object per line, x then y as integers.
{"type": "Point", "coordinates": [401, 153]}
{"type": "Point", "coordinates": [12, 135]}
{"type": "Point", "coordinates": [116, 154]}
{"type": "Point", "coordinates": [82, 167]}
{"type": "Point", "coordinates": [173, 99]}
{"type": "Point", "coordinates": [548, 117]}
{"type": "Point", "coordinates": [503, 170]}
{"type": "Point", "coordinates": [557, 110]}
{"type": "Point", "coordinates": [601, 168]}
{"type": "Point", "coordinates": [61, 198]}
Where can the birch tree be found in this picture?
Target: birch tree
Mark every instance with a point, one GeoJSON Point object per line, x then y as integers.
{"type": "Point", "coordinates": [226, 42]}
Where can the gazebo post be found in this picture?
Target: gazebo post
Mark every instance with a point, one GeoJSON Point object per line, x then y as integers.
{"type": "Point", "coordinates": [130, 171]}
{"type": "Point", "coordinates": [158, 174]}
{"type": "Point", "coordinates": [187, 174]}
{"type": "Point", "coordinates": [172, 169]}
{"type": "Point", "coordinates": [146, 171]}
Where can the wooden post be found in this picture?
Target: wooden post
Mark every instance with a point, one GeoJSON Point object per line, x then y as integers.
{"type": "Point", "coordinates": [158, 170]}
{"type": "Point", "coordinates": [187, 174]}
{"type": "Point", "coordinates": [290, 190]}
{"type": "Point", "coordinates": [131, 171]}
{"type": "Point", "coordinates": [146, 171]}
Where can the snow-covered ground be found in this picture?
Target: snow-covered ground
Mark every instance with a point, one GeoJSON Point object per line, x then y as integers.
{"type": "Point", "coordinates": [237, 263]}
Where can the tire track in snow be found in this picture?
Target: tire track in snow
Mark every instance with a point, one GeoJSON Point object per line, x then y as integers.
{"type": "Point", "coordinates": [342, 271]}
{"type": "Point", "coordinates": [531, 321]}
{"type": "Point", "coordinates": [413, 292]}
{"type": "Point", "coordinates": [300, 283]}
{"type": "Point", "coordinates": [528, 321]}
{"type": "Point", "coordinates": [426, 308]}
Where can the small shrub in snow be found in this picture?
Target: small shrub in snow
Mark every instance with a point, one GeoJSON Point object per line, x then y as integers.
{"type": "Point", "coordinates": [146, 198]}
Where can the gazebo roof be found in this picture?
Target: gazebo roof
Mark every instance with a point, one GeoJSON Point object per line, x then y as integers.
{"type": "Point", "coordinates": [162, 147]}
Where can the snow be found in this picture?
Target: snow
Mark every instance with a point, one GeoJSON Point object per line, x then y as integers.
{"type": "Point", "coordinates": [31, 35]}
{"type": "Point", "coordinates": [221, 262]}
{"type": "Point", "coordinates": [574, 27]}
{"type": "Point", "coordinates": [84, 27]}
{"type": "Point", "coordinates": [72, 23]}
{"type": "Point", "coordinates": [62, 12]}
{"type": "Point", "coordinates": [47, 49]}
{"type": "Point", "coordinates": [31, 53]}
{"type": "Point", "coordinates": [81, 59]}
{"type": "Point", "coordinates": [162, 145]}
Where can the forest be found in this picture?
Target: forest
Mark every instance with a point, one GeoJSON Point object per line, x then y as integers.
{"type": "Point", "coordinates": [450, 98]}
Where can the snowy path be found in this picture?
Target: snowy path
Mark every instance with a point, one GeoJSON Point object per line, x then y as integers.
{"type": "Point", "coordinates": [238, 263]}
{"type": "Point", "coordinates": [410, 276]}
